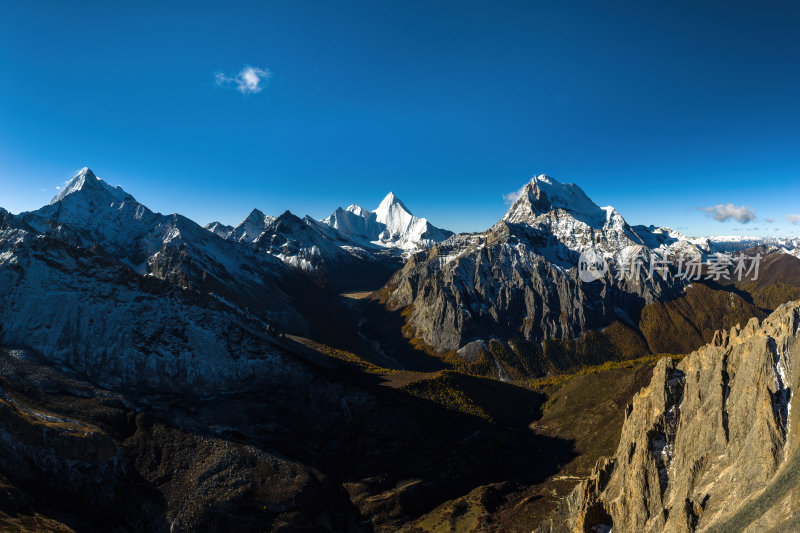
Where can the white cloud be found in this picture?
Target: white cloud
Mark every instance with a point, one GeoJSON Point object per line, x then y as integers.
{"type": "Point", "coordinates": [725, 212]}
{"type": "Point", "coordinates": [512, 197]}
{"type": "Point", "coordinates": [769, 220]}
{"type": "Point", "coordinates": [793, 219]}
{"type": "Point", "coordinates": [249, 80]}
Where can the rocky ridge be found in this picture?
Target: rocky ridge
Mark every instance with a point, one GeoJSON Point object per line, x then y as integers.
{"type": "Point", "coordinates": [709, 445]}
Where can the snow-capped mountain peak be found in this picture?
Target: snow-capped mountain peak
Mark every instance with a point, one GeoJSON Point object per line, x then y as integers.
{"type": "Point", "coordinates": [219, 229]}
{"type": "Point", "coordinates": [251, 227]}
{"type": "Point", "coordinates": [356, 210]}
{"type": "Point", "coordinates": [255, 216]}
{"type": "Point", "coordinates": [400, 223]}
{"type": "Point", "coordinates": [86, 183]}
{"type": "Point", "coordinates": [391, 203]}
{"type": "Point", "coordinates": [544, 194]}
{"type": "Point", "coordinates": [391, 225]}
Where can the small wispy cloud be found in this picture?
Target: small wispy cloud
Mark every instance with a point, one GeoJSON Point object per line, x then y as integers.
{"type": "Point", "coordinates": [793, 219]}
{"type": "Point", "coordinates": [769, 220]}
{"type": "Point", "coordinates": [725, 212]}
{"type": "Point", "coordinates": [249, 80]}
{"type": "Point", "coordinates": [512, 197]}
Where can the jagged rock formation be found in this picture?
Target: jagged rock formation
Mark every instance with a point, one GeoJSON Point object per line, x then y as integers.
{"type": "Point", "coordinates": [709, 445]}
{"type": "Point", "coordinates": [248, 229]}
{"type": "Point", "coordinates": [520, 278]}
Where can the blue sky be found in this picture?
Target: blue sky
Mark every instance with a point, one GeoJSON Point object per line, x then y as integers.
{"type": "Point", "coordinates": [657, 108]}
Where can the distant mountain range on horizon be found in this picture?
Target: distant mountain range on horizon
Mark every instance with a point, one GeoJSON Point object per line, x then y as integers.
{"type": "Point", "coordinates": [408, 232]}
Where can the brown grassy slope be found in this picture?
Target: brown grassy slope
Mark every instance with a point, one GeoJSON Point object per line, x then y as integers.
{"type": "Point", "coordinates": [778, 268]}
{"type": "Point", "coordinates": [770, 297]}
{"type": "Point", "coordinates": [686, 323]}
{"type": "Point", "coordinates": [628, 341]}
{"type": "Point", "coordinates": [778, 282]}
{"type": "Point", "coordinates": [490, 399]}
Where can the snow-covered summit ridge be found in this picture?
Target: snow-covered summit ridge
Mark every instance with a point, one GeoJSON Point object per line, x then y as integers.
{"type": "Point", "coordinates": [391, 225]}
{"type": "Point", "coordinates": [219, 229]}
{"type": "Point", "coordinates": [86, 183]}
{"type": "Point", "coordinates": [251, 227]}
{"type": "Point", "coordinates": [544, 194]}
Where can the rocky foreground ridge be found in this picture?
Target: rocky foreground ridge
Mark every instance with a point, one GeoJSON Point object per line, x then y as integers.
{"type": "Point", "coordinates": [709, 445]}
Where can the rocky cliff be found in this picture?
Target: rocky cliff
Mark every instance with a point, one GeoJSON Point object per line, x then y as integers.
{"type": "Point", "coordinates": [709, 445]}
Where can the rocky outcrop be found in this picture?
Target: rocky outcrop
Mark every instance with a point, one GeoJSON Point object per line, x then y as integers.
{"type": "Point", "coordinates": [709, 445]}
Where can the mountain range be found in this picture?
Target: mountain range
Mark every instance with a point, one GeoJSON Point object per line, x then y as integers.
{"type": "Point", "coordinates": [516, 283]}
{"type": "Point", "coordinates": [371, 372]}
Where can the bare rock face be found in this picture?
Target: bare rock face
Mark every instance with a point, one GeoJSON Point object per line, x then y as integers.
{"type": "Point", "coordinates": [709, 445]}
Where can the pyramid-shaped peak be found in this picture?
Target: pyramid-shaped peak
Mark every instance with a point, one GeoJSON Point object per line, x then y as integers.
{"type": "Point", "coordinates": [86, 172]}
{"type": "Point", "coordinates": [251, 227]}
{"type": "Point", "coordinates": [555, 188]}
{"type": "Point", "coordinates": [255, 215]}
{"type": "Point", "coordinates": [88, 184]}
{"type": "Point", "coordinates": [389, 203]}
